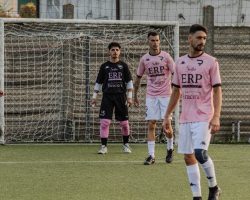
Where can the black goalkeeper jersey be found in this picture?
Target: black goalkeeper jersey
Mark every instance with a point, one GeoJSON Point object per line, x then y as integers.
{"type": "Point", "coordinates": [113, 77]}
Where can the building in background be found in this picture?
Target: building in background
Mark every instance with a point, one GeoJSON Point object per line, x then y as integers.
{"type": "Point", "coordinates": [12, 7]}
{"type": "Point", "coordinates": [226, 12]}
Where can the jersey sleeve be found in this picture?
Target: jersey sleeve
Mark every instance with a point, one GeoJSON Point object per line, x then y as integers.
{"type": "Point", "coordinates": [127, 73]}
{"type": "Point", "coordinates": [171, 64]}
{"type": "Point", "coordinates": [175, 80]}
{"type": "Point", "coordinates": [141, 68]}
{"type": "Point", "coordinates": [101, 75]}
{"type": "Point", "coordinates": [215, 74]}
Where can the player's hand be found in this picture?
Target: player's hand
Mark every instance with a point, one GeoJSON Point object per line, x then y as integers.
{"type": "Point", "coordinates": [214, 124]}
{"type": "Point", "coordinates": [93, 102]}
{"type": "Point", "coordinates": [129, 102]}
{"type": "Point", "coordinates": [136, 102]}
{"type": "Point", "coordinates": [167, 127]}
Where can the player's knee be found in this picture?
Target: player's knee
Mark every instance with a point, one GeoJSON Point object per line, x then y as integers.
{"type": "Point", "coordinates": [105, 123]}
{"type": "Point", "coordinates": [190, 159]}
{"type": "Point", "coordinates": [201, 155]}
{"type": "Point", "coordinates": [125, 127]}
{"type": "Point", "coordinates": [104, 128]}
{"type": "Point", "coordinates": [151, 124]}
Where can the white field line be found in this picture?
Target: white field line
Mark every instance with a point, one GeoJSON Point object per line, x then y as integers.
{"type": "Point", "coordinates": [99, 161]}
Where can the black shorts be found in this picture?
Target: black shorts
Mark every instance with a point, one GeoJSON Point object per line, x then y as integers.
{"type": "Point", "coordinates": [111, 103]}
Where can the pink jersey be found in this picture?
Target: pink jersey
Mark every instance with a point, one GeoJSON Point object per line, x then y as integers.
{"type": "Point", "coordinates": [196, 77]}
{"type": "Point", "coordinates": [158, 70]}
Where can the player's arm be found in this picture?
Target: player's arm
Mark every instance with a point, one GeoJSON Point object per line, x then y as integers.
{"type": "Point", "coordinates": [98, 85]}
{"type": "Point", "coordinates": [217, 102]}
{"type": "Point", "coordinates": [97, 89]}
{"type": "Point", "coordinates": [171, 64]}
{"type": "Point", "coordinates": [129, 87]}
{"type": "Point", "coordinates": [136, 88]}
{"type": "Point", "coordinates": [167, 127]}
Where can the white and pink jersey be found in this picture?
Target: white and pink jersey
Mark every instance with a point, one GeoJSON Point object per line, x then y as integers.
{"type": "Point", "coordinates": [158, 69]}
{"type": "Point", "coordinates": [196, 77]}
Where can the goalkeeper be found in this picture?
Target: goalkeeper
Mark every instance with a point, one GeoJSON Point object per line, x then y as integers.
{"type": "Point", "coordinates": [115, 81]}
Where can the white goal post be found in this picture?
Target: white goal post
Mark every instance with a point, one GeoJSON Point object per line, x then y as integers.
{"type": "Point", "coordinates": [48, 69]}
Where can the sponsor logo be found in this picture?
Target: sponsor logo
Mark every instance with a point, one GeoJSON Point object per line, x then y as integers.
{"type": "Point", "coordinates": [191, 78]}
{"type": "Point", "coordinates": [115, 76]}
{"type": "Point", "coordinates": [155, 71]}
{"type": "Point", "coordinates": [191, 96]}
{"type": "Point", "coordinates": [191, 68]}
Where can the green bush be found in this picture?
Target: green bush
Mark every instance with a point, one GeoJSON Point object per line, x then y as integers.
{"type": "Point", "coordinates": [28, 10]}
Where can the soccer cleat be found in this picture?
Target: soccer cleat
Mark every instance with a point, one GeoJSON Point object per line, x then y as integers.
{"type": "Point", "coordinates": [126, 148]}
{"type": "Point", "coordinates": [149, 160]}
{"type": "Point", "coordinates": [170, 156]}
{"type": "Point", "coordinates": [103, 150]}
{"type": "Point", "coordinates": [197, 198]}
{"type": "Point", "coordinates": [214, 193]}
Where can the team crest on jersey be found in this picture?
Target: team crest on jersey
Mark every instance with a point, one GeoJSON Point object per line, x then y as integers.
{"type": "Point", "coordinates": [161, 57]}
{"type": "Point", "coordinates": [200, 62]}
{"type": "Point", "coordinates": [102, 113]}
{"type": "Point", "coordinates": [120, 66]}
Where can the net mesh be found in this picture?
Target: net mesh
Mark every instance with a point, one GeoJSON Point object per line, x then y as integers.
{"type": "Point", "coordinates": [50, 71]}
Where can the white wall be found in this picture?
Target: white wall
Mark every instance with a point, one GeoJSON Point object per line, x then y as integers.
{"type": "Point", "coordinates": [11, 6]}
{"type": "Point", "coordinates": [227, 12]}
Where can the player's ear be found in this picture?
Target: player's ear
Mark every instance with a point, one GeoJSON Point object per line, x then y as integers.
{"type": "Point", "coordinates": [189, 37]}
{"type": "Point", "coordinates": [108, 52]}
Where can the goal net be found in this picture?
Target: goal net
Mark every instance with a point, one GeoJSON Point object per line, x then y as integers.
{"type": "Point", "coordinates": [48, 71]}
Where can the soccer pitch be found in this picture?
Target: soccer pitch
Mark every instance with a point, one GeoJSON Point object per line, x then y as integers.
{"type": "Point", "coordinates": [77, 172]}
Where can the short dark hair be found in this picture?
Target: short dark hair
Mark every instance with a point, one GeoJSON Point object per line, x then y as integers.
{"type": "Point", "coordinates": [197, 27]}
{"type": "Point", "coordinates": [152, 33]}
{"type": "Point", "coordinates": [114, 44]}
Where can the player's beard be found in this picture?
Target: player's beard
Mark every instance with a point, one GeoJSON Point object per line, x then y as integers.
{"type": "Point", "coordinates": [114, 56]}
{"type": "Point", "coordinates": [155, 47]}
{"type": "Point", "coordinates": [199, 47]}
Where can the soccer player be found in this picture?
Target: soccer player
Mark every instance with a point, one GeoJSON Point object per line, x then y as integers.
{"type": "Point", "coordinates": [115, 81]}
{"type": "Point", "coordinates": [197, 80]}
{"type": "Point", "coordinates": [158, 66]}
